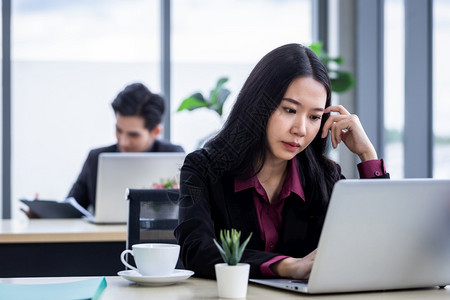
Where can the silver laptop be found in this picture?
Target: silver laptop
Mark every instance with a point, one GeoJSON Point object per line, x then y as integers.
{"type": "Point", "coordinates": [381, 234]}
{"type": "Point", "coordinates": [119, 171]}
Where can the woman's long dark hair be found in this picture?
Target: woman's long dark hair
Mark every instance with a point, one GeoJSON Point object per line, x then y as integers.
{"type": "Point", "coordinates": [241, 145]}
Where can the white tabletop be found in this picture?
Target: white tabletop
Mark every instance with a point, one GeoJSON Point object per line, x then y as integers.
{"type": "Point", "coordinates": [59, 230]}
{"type": "Point", "coordinates": [195, 288]}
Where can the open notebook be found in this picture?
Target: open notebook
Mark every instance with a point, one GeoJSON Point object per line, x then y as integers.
{"type": "Point", "coordinates": [381, 234]}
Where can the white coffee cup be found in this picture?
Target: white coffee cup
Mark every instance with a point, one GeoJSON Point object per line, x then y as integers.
{"type": "Point", "coordinates": [154, 259]}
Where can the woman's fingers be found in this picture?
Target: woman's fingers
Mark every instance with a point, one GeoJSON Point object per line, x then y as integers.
{"type": "Point", "coordinates": [311, 255]}
{"type": "Point", "coordinates": [347, 128]}
{"type": "Point", "coordinates": [338, 124]}
{"type": "Point", "coordinates": [342, 114]}
{"type": "Point", "coordinates": [342, 127]}
{"type": "Point", "coordinates": [335, 135]}
{"type": "Point", "coordinates": [337, 108]}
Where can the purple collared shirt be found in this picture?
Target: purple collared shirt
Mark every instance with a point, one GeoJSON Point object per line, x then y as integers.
{"type": "Point", "coordinates": [270, 214]}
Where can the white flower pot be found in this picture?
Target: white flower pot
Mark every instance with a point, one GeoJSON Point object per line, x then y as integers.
{"type": "Point", "coordinates": [232, 281]}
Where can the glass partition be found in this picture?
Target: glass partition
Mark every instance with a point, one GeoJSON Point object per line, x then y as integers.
{"type": "Point", "coordinates": [441, 89]}
{"type": "Point", "coordinates": [69, 60]}
{"type": "Point", "coordinates": [225, 38]}
{"type": "Point", "coordinates": [2, 203]}
{"type": "Point", "coordinates": [394, 86]}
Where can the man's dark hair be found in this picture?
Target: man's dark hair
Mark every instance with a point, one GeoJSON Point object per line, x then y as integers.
{"type": "Point", "coordinates": [137, 100]}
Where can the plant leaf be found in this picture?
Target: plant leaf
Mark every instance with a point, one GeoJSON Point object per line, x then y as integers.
{"type": "Point", "coordinates": [242, 247]}
{"type": "Point", "coordinates": [220, 101]}
{"type": "Point", "coordinates": [222, 253]}
{"type": "Point", "coordinates": [244, 244]}
{"type": "Point", "coordinates": [215, 92]}
{"type": "Point", "coordinates": [231, 249]}
{"type": "Point", "coordinates": [339, 60]}
{"type": "Point", "coordinates": [316, 48]}
{"type": "Point", "coordinates": [341, 81]}
{"type": "Point", "coordinates": [226, 243]}
{"type": "Point", "coordinates": [193, 102]}
{"type": "Point", "coordinates": [220, 83]}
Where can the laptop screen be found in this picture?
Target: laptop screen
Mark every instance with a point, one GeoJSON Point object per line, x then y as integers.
{"type": "Point", "coordinates": [119, 171]}
{"type": "Point", "coordinates": [381, 234]}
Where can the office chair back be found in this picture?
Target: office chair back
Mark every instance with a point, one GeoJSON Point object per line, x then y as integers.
{"type": "Point", "coordinates": [153, 215]}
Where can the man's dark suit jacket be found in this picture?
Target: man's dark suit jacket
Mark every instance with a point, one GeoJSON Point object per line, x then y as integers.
{"type": "Point", "coordinates": [209, 204]}
{"type": "Point", "coordinates": [84, 189]}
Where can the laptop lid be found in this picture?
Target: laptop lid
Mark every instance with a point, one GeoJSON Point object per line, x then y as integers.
{"type": "Point", "coordinates": [380, 235]}
{"type": "Point", "coordinates": [119, 171]}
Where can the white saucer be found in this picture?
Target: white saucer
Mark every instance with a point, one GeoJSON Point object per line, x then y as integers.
{"type": "Point", "coordinates": [135, 276]}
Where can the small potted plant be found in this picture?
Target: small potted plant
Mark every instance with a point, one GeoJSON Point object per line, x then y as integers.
{"type": "Point", "coordinates": [232, 276]}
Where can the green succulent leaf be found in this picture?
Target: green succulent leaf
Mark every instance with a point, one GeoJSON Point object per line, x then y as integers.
{"type": "Point", "coordinates": [221, 251]}
{"type": "Point", "coordinates": [231, 249]}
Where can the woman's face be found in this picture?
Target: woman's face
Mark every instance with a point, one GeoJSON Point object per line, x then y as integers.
{"type": "Point", "coordinates": [296, 121]}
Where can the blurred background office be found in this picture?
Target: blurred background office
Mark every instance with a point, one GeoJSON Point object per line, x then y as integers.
{"type": "Point", "coordinates": [64, 61]}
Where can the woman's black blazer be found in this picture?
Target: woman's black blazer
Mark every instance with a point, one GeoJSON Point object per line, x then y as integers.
{"type": "Point", "coordinates": [208, 204]}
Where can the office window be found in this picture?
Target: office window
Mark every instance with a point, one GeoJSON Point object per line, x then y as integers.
{"type": "Point", "coordinates": [1, 118]}
{"type": "Point", "coordinates": [441, 89]}
{"type": "Point", "coordinates": [394, 84]}
{"type": "Point", "coordinates": [213, 39]}
{"type": "Point", "coordinates": [69, 60]}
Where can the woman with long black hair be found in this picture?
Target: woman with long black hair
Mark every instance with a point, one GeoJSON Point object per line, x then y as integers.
{"type": "Point", "coordinates": [267, 171]}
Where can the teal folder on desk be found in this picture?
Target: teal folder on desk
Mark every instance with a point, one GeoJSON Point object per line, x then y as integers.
{"type": "Point", "coordinates": [82, 289]}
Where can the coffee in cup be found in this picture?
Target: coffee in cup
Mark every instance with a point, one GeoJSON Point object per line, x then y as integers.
{"type": "Point", "coordinates": [153, 259]}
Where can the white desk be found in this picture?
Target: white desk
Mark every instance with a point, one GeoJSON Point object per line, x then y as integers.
{"type": "Point", "coordinates": [59, 231]}
{"type": "Point", "coordinates": [195, 288]}
{"type": "Point", "coordinates": [60, 247]}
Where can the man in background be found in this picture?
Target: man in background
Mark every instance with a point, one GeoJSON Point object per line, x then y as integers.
{"type": "Point", "coordinates": [138, 114]}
